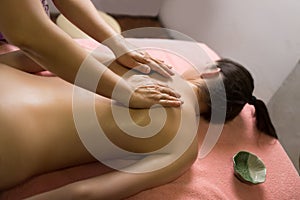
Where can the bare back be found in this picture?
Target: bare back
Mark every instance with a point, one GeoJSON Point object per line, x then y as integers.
{"type": "Point", "coordinates": [38, 133]}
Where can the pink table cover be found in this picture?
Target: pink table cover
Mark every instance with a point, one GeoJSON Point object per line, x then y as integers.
{"type": "Point", "coordinates": [211, 177]}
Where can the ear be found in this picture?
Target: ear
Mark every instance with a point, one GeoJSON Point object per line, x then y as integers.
{"type": "Point", "coordinates": [211, 73]}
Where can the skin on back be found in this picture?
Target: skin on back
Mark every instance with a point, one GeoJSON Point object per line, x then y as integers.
{"type": "Point", "coordinates": [34, 140]}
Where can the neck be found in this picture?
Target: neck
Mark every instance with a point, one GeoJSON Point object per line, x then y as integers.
{"type": "Point", "coordinates": [200, 96]}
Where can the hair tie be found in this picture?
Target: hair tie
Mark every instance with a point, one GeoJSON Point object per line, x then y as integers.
{"type": "Point", "coordinates": [252, 101]}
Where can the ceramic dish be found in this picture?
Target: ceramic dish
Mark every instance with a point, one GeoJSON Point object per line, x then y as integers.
{"type": "Point", "coordinates": [249, 168]}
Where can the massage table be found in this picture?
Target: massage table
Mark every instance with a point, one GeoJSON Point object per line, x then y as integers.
{"type": "Point", "coordinates": [211, 176]}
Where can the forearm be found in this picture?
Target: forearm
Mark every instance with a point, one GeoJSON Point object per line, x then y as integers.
{"type": "Point", "coordinates": [113, 185]}
{"type": "Point", "coordinates": [103, 187]}
{"type": "Point", "coordinates": [30, 29]}
{"type": "Point", "coordinates": [65, 58]}
{"type": "Point", "coordinates": [121, 184]}
{"type": "Point", "coordinates": [84, 15]}
{"type": "Point", "coordinates": [46, 44]}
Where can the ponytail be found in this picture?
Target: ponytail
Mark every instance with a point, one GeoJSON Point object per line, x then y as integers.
{"type": "Point", "coordinates": [239, 86]}
{"type": "Point", "coordinates": [263, 120]}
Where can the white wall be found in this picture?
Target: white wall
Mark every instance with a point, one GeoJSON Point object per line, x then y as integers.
{"type": "Point", "coordinates": [264, 35]}
{"type": "Point", "coordinates": [124, 7]}
{"type": "Point", "coordinates": [129, 7]}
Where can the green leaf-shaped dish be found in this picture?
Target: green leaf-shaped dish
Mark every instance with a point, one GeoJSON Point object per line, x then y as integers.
{"type": "Point", "coordinates": [249, 168]}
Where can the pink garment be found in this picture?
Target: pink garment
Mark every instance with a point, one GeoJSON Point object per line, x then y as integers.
{"type": "Point", "coordinates": [209, 178]}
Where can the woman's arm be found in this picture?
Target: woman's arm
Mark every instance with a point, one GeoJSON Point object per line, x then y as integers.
{"type": "Point", "coordinates": [119, 185]}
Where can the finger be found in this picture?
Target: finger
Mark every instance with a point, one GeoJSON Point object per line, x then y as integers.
{"type": "Point", "coordinates": [145, 69]}
{"type": "Point", "coordinates": [169, 91]}
{"type": "Point", "coordinates": [167, 67]}
{"type": "Point", "coordinates": [160, 68]}
{"type": "Point", "coordinates": [152, 88]}
{"type": "Point", "coordinates": [155, 64]}
{"type": "Point", "coordinates": [159, 61]}
{"type": "Point", "coordinates": [170, 103]}
{"type": "Point", "coordinates": [162, 88]}
{"type": "Point", "coordinates": [141, 57]}
{"type": "Point", "coordinates": [128, 60]}
{"type": "Point", "coordinates": [166, 97]}
{"type": "Point", "coordinates": [146, 58]}
{"type": "Point", "coordinates": [157, 96]}
{"type": "Point", "coordinates": [133, 64]}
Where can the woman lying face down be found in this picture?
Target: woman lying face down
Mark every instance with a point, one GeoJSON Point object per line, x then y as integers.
{"type": "Point", "coordinates": [39, 132]}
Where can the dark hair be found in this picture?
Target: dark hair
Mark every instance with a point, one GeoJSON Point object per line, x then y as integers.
{"type": "Point", "coordinates": [239, 85]}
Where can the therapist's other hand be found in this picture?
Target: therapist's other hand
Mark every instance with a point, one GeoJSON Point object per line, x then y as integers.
{"type": "Point", "coordinates": [130, 56]}
{"type": "Point", "coordinates": [148, 92]}
{"type": "Point", "coordinates": [144, 63]}
{"type": "Point", "coordinates": [147, 96]}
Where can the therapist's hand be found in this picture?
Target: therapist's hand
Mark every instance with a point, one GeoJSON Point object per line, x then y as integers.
{"type": "Point", "coordinates": [147, 96]}
{"type": "Point", "coordinates": [144, 63]}
{"type": "Point", "coordinates": [129, 56]}
{"type": "Point", "coordinates": [148, 92]}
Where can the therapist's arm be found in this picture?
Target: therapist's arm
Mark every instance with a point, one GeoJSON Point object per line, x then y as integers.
{"type": "Point", "coordinates": [26, 25]}
{"type": "Point", "coordinates": [84, 15]}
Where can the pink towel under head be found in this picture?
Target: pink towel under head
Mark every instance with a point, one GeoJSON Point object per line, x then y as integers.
{"type": "Point", "coordinates": [211, 177]}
